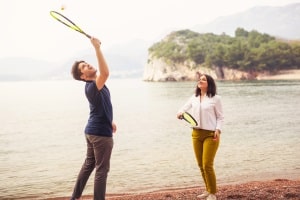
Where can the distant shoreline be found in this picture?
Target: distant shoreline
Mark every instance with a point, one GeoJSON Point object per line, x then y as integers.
{"type": "Point", "coordinates": [293, 74]}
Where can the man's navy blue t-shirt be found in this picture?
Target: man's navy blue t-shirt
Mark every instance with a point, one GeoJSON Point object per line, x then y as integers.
{"type": "Point", "coordinates": [101, 112]}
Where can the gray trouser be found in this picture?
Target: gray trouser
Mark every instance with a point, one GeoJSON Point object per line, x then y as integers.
{"type": "Point", "coordinates": [98, 156]}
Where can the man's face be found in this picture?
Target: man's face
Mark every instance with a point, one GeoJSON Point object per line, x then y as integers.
{"type": "Point", "coordinates": [87, 70]}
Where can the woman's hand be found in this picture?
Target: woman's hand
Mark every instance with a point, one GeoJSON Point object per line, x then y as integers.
{"type": "Point", "coordinates": [179, 115]}
{"type": "Point", "coordinates": [217, 134]}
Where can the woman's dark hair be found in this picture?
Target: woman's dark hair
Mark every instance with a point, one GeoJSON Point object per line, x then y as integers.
{"type": "Point", "coordinates": [75, 71]}
{"type": "Point", "coordinates": [211, 86]}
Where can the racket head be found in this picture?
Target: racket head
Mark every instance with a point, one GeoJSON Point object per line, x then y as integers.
{"type": "Point", "coordinates": [64, 20]}
{"type": "Point", "coordinates": [189, 118]}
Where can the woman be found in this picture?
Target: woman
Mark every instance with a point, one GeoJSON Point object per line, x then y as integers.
{"type": "Point", "coordinates": [205, 106]}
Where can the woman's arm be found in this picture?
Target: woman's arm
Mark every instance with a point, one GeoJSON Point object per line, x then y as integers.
{"type": "Point", "coordinates": [184, 108]}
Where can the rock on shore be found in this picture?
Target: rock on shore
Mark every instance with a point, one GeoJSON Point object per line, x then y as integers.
{"type": "Point", "coordinates": [158, 70]}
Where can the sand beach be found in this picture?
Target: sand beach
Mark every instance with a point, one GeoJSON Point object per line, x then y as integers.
{"type": "Point", "coordinates": [277, 189]}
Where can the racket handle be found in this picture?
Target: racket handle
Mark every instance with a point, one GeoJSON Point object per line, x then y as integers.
{"type": "Point", "coordinates": [88, 36]}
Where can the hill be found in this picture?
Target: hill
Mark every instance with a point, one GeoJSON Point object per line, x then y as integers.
{"type": "Point", "coordinates": [282, 22]}
{"type": "Point", "coordinates": [124, 60]}
{"type": "Point", "coordinates": [182, 54]}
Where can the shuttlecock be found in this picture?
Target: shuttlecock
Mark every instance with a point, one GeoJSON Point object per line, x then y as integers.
{"type": "Point", "coordinates": [63, 7]}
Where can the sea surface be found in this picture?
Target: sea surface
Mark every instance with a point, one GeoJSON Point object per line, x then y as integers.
{"type": "Point", "coordinates": [42, 145]}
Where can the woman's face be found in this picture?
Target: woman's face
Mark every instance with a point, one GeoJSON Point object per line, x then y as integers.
{"type": "Point", "coordinates": [202, 83]}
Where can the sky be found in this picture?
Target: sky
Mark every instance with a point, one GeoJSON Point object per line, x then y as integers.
{"type": "Point", "coordinates": [28, 30]}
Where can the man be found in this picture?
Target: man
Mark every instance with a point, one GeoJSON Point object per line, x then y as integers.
{"type": "Point", "coordinates": [100, 126]}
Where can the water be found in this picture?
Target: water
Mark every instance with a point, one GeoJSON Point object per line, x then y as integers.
{"type": "Point", "coordinates": [43, 147]}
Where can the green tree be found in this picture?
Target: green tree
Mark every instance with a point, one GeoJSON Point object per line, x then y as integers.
{"type": "Point", "coordinates": [248, 51]}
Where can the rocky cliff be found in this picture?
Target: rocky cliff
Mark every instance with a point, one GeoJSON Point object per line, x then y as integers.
{"type": "Point", "coordinates": [158, 70]}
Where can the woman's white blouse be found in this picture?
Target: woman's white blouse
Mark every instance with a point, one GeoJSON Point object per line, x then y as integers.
{"type": "Point", "coordinates": [208, 113]}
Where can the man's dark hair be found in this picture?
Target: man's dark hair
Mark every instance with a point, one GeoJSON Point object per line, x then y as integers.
{"type": "Point", "coordinates": [76, 72]}
{"type": "Point", "coordinates": [211, 87]}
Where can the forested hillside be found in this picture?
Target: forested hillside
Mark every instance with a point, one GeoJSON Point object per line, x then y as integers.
{"type": "Point", "coordinates": [249, 51]}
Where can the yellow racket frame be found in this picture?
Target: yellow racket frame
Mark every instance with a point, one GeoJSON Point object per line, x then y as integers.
{"type": "Point", "coordinates": [64, 20]}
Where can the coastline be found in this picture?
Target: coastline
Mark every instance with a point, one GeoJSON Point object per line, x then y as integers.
{"type": "Point", "coordinates": [276, 189]}
{"type": "Point", "coordinates": [293, 74]}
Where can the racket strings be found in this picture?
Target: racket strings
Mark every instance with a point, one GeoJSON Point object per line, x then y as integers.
{"type": "Point", "coordinates": [65, 21]}
{"type": "Point", "coordinates": [187, 117]}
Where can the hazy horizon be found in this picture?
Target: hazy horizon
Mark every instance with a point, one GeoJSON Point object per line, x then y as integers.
{"type": "Point", "coordinates": [33, 33]}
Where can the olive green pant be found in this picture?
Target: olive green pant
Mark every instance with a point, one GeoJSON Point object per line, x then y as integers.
{"type": "Point", "coordinates": [205, 149]}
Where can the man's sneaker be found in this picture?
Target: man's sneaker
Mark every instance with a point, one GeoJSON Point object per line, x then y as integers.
{"type": "Point", "coordinates": [203, 195]}
{"type": "Point", "coordinates": [211, 197]}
